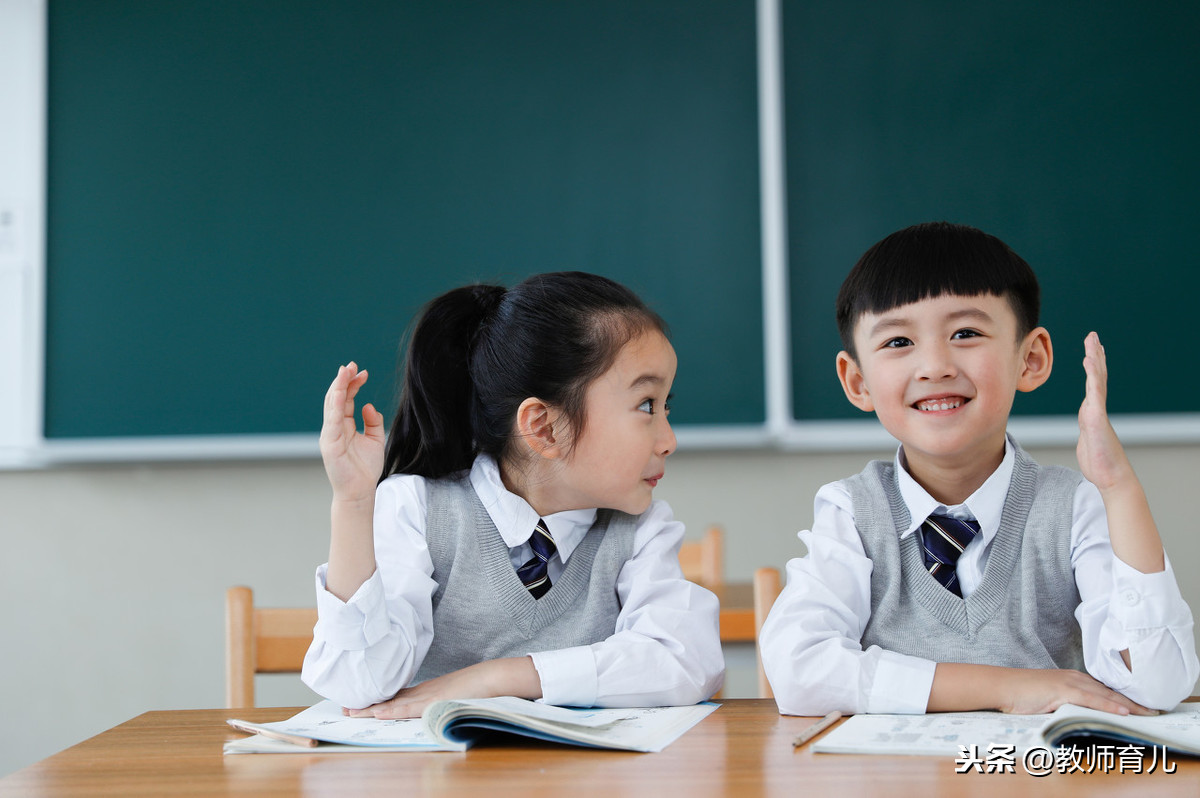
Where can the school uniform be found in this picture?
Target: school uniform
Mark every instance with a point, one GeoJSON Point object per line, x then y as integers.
{"type": "Point", "coordinates": [662, 648]}
{"type": "Point", "coordinates": [858, 634]}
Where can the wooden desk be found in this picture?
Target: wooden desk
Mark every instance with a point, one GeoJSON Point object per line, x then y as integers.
{"type": "Point", "coordinates": [742, 749]}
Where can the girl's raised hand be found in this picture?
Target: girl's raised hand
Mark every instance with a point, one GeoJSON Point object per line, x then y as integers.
{"type": "Point", "coordinates": [353, 460]}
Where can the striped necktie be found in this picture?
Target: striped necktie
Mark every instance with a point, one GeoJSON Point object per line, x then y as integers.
{"type": "Point", "coordinates": [533, 573]}
{"type": "Point", "coordinates": [943, 539]}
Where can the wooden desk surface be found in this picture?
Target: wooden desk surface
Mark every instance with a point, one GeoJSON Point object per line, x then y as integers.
{"type": "Point", "coordinates": [742, 749]}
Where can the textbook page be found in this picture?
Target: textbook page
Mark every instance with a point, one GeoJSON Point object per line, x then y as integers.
{"type": "Point", "coordinates": [935, 734]}
{"type": "Point", "coordinates": [947, 733]}
{"type": "Point", "coordinates": [454, 725]}
{"type": "Point", "coordinates": [645, 729]}
{"type": "Point", "coordinates": [325, 722]}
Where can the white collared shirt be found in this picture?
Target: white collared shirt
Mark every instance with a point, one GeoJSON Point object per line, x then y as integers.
{"type": "Point", "coordinates": [664, 650]}
{"type": "Point", "coordinates": [811, 646]}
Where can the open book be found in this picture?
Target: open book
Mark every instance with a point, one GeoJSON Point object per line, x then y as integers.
{"type": "Point", "coordinates": [945, 734]}
{"type": "Point", "coordinates": [457, 725]}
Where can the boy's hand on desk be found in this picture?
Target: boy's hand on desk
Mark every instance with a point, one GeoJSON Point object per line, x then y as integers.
{"type": "Point", "coordinates": [1038, 691]}
{"type": "Point", "coordinates": [353, 460]}
{"type": "Point", "coordinates": [509, 676]}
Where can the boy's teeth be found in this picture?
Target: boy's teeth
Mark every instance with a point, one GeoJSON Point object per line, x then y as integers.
{"type": "Point", "coordinates": [939, 404]}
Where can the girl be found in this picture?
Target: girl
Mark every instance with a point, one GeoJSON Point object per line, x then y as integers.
{"type": "Point", "coordinates": [512, 546]}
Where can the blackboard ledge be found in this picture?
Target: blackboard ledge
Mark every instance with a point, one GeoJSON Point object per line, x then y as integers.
{"type": "Point", "coordinates": [799, 436]}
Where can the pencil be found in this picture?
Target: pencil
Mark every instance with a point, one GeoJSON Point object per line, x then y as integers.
{"type": "Point", "coordinates": [815, 729]}
{"type": "Point", "coordinates": [254, 728]}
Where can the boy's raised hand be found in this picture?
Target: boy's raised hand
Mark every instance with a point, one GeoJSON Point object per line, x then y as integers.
{"type": "Point", "coordinates": [1102, 460]}
{"type": "Point", "coordinates": [1101, 457]}
{"type": "Point", "coordinates": [353, 460]}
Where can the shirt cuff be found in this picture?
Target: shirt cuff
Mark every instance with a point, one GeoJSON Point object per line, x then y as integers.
{"type": "Point", "coordinates": [568, 676]}
{"type": "Point", "coordinates": [1147, 601]}
{"type": "Point", "coordinates": [901, 684]}
{"type": "Point", "coordinates": [351, 625]}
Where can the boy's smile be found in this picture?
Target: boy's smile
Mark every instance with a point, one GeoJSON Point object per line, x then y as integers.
{"type": "Point", "coordinates": [941, 375]}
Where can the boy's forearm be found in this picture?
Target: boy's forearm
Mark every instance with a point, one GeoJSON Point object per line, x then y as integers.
{"type": "Point", "coordinates": [1131, 527]}
{"type": "Point", "coordinates": [961, 687]}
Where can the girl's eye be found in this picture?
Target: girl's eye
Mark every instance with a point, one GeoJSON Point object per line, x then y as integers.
{"type": "Point", "coordinates": [647, 406]}
{"type": "Point", "coordinates": [961, 334]}
{"type": "Point", "coordinates": [896, 343]}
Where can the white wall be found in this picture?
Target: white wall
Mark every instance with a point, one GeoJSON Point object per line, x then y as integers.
{"type": "Point", "coordinates": [114, 575]}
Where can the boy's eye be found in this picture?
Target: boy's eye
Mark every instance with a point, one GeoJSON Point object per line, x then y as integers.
{"type": "Point", "coordinates": [896, 343]}
{"type": "Point", "coordinates": [958, 336]}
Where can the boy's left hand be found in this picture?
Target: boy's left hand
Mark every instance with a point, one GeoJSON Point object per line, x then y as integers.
{"type": "Point", "coordinates": [1102, 460]}
{"type": "Point", "coordinates": [1101, 457]}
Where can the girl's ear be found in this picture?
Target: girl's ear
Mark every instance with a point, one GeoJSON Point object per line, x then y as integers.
{"type": "Point", "coordinates": [1037, 357]}
{"type": "Point", "coordinates": [853, 382]}
{"type": "Point", "coordinates": [535, 427]}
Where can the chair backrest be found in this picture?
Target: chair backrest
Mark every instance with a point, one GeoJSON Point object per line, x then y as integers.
{"type": "Point", "coordinates": [701, 560]}
{"type": "Point", "coordinates": [766, 590]}
{"type": "Point", "coordinates": [261, 640]}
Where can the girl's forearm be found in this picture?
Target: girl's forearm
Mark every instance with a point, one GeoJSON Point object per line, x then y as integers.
{"type": "Point", "coordinates": [351, 547]}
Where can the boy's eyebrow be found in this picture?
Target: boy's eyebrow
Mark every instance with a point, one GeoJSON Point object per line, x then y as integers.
{"type": "Point", "coordinates": [892, 322]}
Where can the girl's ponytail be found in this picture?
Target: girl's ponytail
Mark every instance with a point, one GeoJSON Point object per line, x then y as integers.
{"type": "Point", "coordinates": [432, 433]}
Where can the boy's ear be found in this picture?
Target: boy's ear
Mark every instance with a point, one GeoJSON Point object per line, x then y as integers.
{"type": "Point", "coordinates": [535, 426]}
{"type": "Point", "coordinates": [1037, 357]}
{"type": "Point", "coordinates": [853, 382]}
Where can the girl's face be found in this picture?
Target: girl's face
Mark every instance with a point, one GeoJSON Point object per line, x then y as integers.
{"type": "Point", "coordinates": [619, 458]}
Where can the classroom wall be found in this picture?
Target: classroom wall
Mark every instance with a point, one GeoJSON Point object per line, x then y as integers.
{"type": "Point", "coordinates": [115, 575]}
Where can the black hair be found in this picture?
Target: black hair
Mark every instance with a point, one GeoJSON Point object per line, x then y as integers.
{"type": "Point", "coordinates": [929, 260]}
{"type": "Point", "coordinates": [478, 351]}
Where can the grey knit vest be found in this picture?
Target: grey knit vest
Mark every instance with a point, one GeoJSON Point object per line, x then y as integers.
{"type": "Point", "coordinates": [481, 611]}
{"type": "Point", "coordinates": [1022, 613]}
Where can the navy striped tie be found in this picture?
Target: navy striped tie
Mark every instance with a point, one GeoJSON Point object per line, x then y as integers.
{"type": "Point", "coordinates": [533, 573]}
{"type": "Point", "coordinates": [943, 539]}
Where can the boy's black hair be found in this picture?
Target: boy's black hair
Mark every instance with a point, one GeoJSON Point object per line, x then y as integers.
{"type": "Point", "coordinates": [478, 351]}
{"type": "Point", "coordinates": [929, 260]}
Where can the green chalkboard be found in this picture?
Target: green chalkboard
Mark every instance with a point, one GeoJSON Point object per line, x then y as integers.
{"type": "Point", "coordinates": [243, 194]}
{"type": "Point", "coordinates": [1067, 129]}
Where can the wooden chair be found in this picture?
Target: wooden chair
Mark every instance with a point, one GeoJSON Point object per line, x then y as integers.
{"type": "Point", "coordinates": [766, 590]}
{"type": "Point", "coordinates": [261, 640]}
{"type": "Point", "coordinates": [701, 560]}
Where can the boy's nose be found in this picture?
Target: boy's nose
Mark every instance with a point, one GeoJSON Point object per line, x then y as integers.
{"type": "Point", "coordinates": [936, 364]}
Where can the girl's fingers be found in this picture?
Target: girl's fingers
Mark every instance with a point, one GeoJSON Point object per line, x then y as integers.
{"type": "Point", "coordinates": [335, 398]}
{"type": "Point", "coordinates": [372, 422]}
{"type": "Point", "coordinates": [339, 399]}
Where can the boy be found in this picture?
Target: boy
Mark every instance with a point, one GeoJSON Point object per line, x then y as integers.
{"type": "Point", "coordinates": [1005, 603]}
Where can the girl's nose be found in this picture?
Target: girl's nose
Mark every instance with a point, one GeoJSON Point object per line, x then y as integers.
{"type": "Point", "coordinates": [666, 442]}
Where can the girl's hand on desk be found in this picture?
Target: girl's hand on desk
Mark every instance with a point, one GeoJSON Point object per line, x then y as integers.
{"type": "Point", "coordinates": [353, 460]}
{"type": "Point", "coordinates": [509, 676]}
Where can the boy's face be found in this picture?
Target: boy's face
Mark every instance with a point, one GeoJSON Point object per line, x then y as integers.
{"type": "Point", "coordinates": [941, 375]}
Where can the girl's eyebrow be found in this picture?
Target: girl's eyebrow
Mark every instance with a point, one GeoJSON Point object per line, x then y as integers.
{"type": "Point", "coordinates": [646, 379]}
